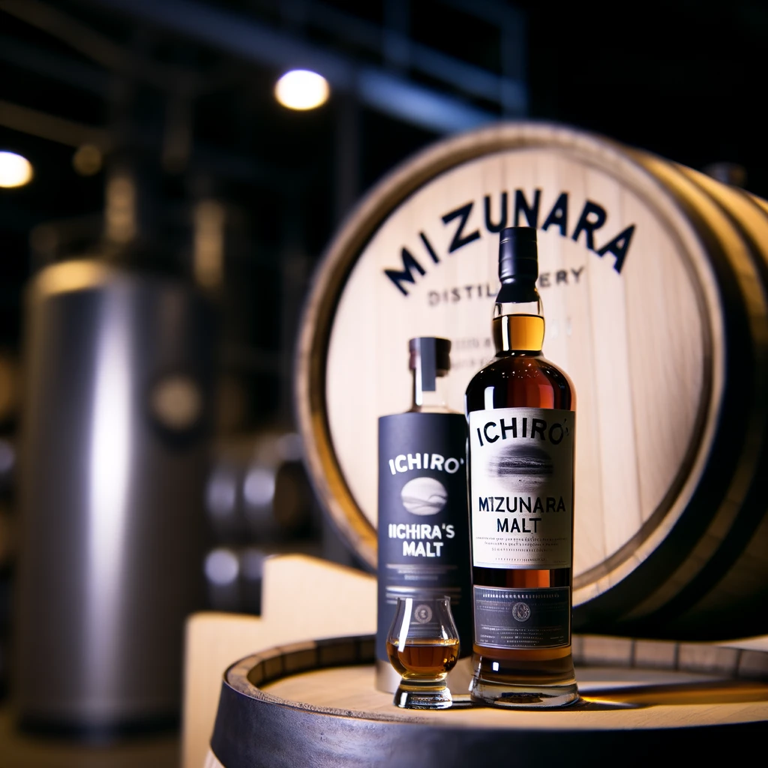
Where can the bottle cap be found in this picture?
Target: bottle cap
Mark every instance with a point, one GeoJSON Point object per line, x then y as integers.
{"type": "Point", "coordinates": [518, 254]}
{"type": "Point", "coordinates": [433, 356]}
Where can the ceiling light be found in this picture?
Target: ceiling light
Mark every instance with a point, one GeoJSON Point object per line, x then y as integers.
{"type": "Point", "coordinates": [302, 89]}
{"type": "Point", "coordinates": [15, 170]}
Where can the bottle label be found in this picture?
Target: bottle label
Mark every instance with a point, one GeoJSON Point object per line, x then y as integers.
{"type": "Point", "coordinates": [423, 522]}
{"type": "Point", "coordinates": [522, 618]}
{"type": "Point", "coordinates": [521, 484]}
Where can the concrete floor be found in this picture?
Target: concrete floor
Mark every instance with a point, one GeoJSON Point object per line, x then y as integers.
{"type": "Point", "coordinates": [20, 750]}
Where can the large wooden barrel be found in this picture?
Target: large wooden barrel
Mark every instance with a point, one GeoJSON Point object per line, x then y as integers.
{"type": "Point", "coordinates": [653, 278]}
{"type": "Point", "coordinates": [313, 704]}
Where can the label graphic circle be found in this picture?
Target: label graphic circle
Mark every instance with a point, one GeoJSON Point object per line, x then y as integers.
{"type": "Point", "coordinates": [422, 613]}
{"type": "Point", "coordinates": [424, 496]}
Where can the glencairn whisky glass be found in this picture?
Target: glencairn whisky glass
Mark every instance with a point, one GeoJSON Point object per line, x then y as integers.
{"type": "Point", "coordinates": [423, 646]}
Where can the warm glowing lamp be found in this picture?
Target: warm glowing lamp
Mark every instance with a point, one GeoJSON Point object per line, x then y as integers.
{"type": "Point", "coordinates": [302, 89]}
{"type": "Point", "coordinates": [15, 170]}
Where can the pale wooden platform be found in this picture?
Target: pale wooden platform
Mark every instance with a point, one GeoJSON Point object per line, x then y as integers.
{"type": "Point", "coordinates": [307, 598]}
{"type": "Point", "coordinates": [314, 703]}
{"type": "Point", "coordinates": [624, 698]}
{"type": "Point", "coordinates": [303, 597]}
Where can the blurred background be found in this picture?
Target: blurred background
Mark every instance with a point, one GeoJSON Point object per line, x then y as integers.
{"type": "Point", "coordinates": [163, 204]}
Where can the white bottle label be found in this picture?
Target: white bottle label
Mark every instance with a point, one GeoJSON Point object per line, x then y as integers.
{"type": "Point", "coordinates": [521, 478]}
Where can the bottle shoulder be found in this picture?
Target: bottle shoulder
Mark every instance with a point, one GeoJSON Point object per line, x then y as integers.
{"type": "Point", "coordinates": [521, 380]}
{"type": "Point", "coordinates": [521, 366]}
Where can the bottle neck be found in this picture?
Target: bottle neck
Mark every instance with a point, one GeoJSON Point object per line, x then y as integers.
{"type": "Point", "coordinates": [428, 400]}
{"type": "Point", "coordinates": [518, 326]}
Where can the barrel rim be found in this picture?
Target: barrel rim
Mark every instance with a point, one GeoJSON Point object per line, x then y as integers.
{"type": "Point", "coordinates": [247, 675]}
{"type": "Point", "coordinates": [252, 725]}
{"type": "Point", "coordinates": [341, 256]}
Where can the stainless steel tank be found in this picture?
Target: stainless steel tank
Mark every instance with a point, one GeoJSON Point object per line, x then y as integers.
{"type": "Point", "coordinates": [114, 455]}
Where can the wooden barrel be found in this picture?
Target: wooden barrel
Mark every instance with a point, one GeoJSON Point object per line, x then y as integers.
{"type": "Point", "coordinates": [653, 279]}
{"type": "Point", "coordinates": [258, 490]}
{"type": "Point", "coordinates": [314, 703]}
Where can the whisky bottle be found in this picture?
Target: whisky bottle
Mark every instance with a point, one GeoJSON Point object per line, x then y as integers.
{"type": "Point", "coordinates": [423, 523]}
{"type": "Point", "coordinates": [521, 416]}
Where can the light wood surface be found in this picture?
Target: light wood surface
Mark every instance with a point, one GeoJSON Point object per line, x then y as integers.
{"type": "Point", "coordinates": [303, 597]}
{"type": "Point", "coordinates": [740, 226]}
{"type": "Point", "coordinates": [307, 597]}
{"type": "Point", "coordinates": [609, 331]}
{"type": "Point", "coordinates": [315, 702]}
{"type": "Point", "coordinates": [669, 698]}
{"type": "Point", "coordinates": [211, 761]}
{"type": "Point", "coordinates": [647, 347]}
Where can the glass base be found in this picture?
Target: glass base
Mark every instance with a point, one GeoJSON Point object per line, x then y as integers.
{"type": "Point", "coordinates": [522, 696]}
{"type": "Point", "coordinates": [415, 695]}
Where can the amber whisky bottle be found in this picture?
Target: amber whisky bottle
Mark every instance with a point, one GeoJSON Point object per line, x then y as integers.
{"type": "Point", "coordinates": [520, 410]}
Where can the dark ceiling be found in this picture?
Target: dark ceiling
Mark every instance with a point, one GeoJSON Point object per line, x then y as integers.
{"type": "Point", "coordinates": [183, 89]}
{"type": "Point", "coordinates": [681, 78]}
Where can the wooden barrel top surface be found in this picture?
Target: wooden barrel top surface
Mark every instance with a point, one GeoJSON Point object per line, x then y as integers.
{"type": "Point", "coordinates": [613, 698]}
{"type": "Point", "coordinates": [681, 695]}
